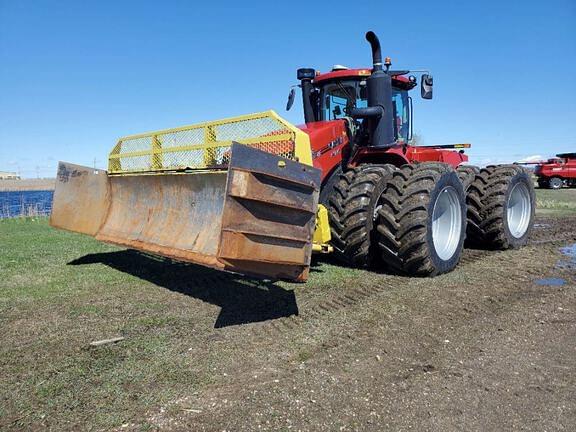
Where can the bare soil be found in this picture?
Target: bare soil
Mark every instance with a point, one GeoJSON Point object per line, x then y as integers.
{"type": "Point", "coordinates": [484, 348]}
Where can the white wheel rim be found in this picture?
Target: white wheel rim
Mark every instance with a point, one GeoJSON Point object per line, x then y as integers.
{"type": "Point", "coordinates": [446, 223]}
{"type": "Point", "coordinates": [519, 210]}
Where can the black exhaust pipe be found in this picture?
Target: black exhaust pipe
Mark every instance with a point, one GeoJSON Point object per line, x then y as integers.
{"type": "Point", "coordinates": [378, 115]}
{"type": "Point", "coordinates": [376, 51]}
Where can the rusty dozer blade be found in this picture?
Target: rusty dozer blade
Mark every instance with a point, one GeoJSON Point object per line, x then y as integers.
{"type": "Point", "coordinates": [255, 218]}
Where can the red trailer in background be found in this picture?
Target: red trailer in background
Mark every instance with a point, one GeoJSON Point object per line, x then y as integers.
{"type": "Point", "coordinates": [557, 172]}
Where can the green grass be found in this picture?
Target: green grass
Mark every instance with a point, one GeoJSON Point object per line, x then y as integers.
{"type": "Point", "coordinates": [560, 202]}
{"type": "Point", "coordinates": [59, 291]}
{"type": "Point", "coordinates": [50, 311]}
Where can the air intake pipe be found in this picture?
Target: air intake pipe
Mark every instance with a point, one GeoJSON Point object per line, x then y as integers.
{"type": "Point", "coordinates": [306, 75]}
{"type": "Point", "coordinates": [378, 115]}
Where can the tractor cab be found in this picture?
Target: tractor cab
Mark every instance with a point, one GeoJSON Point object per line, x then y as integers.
{"type": "Point", "coordinates": [374, 102]}
{"type": "Point", "coordinates": [342, 90]}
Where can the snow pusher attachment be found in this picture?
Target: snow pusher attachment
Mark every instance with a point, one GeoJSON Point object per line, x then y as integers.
{"type": "Point", "coordinates": [238, 194]}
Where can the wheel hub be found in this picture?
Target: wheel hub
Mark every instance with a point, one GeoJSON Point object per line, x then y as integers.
{"type": "Point", "coordinates": [446, 223]}
{"type": "Point", "coordinates": [519, 210]}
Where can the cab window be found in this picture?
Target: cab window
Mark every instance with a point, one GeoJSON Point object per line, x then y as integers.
{"type": "Point", "coordinates": [339, 98]}
{"type": "Point", "coordinates": [401, 115]}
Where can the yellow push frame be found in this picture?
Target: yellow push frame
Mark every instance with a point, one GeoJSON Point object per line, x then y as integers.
{"type": "Point", "coordinates": [152, 144]}
{"type": "Point", "coordinates": [157, 153]}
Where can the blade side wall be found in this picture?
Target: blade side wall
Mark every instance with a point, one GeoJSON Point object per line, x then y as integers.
{"type": "Point", "coordinates": [81, 199]}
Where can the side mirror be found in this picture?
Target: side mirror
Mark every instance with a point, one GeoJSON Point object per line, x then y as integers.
{"type": "Point", "coordinates": [426, 84]}
{"type": "Point", "coordinates": [291, 97]}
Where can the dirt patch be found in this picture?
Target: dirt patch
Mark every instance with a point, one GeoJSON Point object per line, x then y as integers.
{"type": "Point", "coordinates": [483, 348]}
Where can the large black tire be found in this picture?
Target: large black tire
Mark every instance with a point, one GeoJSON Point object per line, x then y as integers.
{"type": "Point", "coordinates": [543, 184]}
{"type": "Point", "coordinates": [404, 230]}
{"type": "Point", "coordinates": [555, 183]}
{"type": "Point", "coordinates": [467, 174]}
{"type": "Point", "coordinates": [328, 186]}
{"type": "Point", "coordinates": [351, 210]}
{"type": "Point", "coordinates": [488, 202]}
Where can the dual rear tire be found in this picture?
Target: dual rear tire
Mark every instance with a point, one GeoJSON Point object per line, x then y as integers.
{"type": "Point", "coordinates": [501, 207]}
{"type": "Point", "coordinates": [351, 211]}
{"type": "Point", "coordinates": [414, 219]}
{"type": "Point", "coordinates": [421, 223]}
{"type": "Point", "coordinates": [410, 219]}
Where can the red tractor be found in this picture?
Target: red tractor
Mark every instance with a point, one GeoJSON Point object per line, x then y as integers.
{"type": "Point", "coordinates": [557, 172]}
{"type": "Point", "coordinates": [392, 202]}
{"type": "Point", "coordinates": [257, 195]}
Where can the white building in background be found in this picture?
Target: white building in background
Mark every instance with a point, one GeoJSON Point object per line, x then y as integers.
{"type": "Point", "coordinates": [4, 175]}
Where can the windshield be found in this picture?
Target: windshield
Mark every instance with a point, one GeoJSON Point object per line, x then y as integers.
{"type": "Point", "coordinates": [338, 98]}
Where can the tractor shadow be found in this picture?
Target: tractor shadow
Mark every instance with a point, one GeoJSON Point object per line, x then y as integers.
{"type": "Point", "coordinates": [242, 299]}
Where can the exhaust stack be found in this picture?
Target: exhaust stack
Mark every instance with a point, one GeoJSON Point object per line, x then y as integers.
{"type": "Point", "coordinates": [379, 116]}
{"type": "Point", "coordinates": [376, 51]}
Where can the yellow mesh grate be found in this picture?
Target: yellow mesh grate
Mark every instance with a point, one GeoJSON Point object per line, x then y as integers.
{"type": "Point", "coordinates": [202, 146]}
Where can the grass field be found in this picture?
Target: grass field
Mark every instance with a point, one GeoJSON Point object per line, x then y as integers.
{"type": "Point", "coordinates": [50, 310]}
{"type": "Point", "coordinates": [60, 291]}
{"type": "Point", "coordinates": [181, 323]}
{"type": "Point", "coordinates": [556, 202]}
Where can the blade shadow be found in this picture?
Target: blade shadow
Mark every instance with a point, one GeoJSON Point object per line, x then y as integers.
{"type": "Point", "coordinates": [242, 299]}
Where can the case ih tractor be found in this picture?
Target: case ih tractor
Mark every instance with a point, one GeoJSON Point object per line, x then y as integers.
{"type": "Point", "coordinates": [557, 172]}
{"type": "Point", "coordinates": [257, 195]}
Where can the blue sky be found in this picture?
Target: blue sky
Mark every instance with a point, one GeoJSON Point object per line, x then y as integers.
{"type": "Point", "coordinates": [76, 75]}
